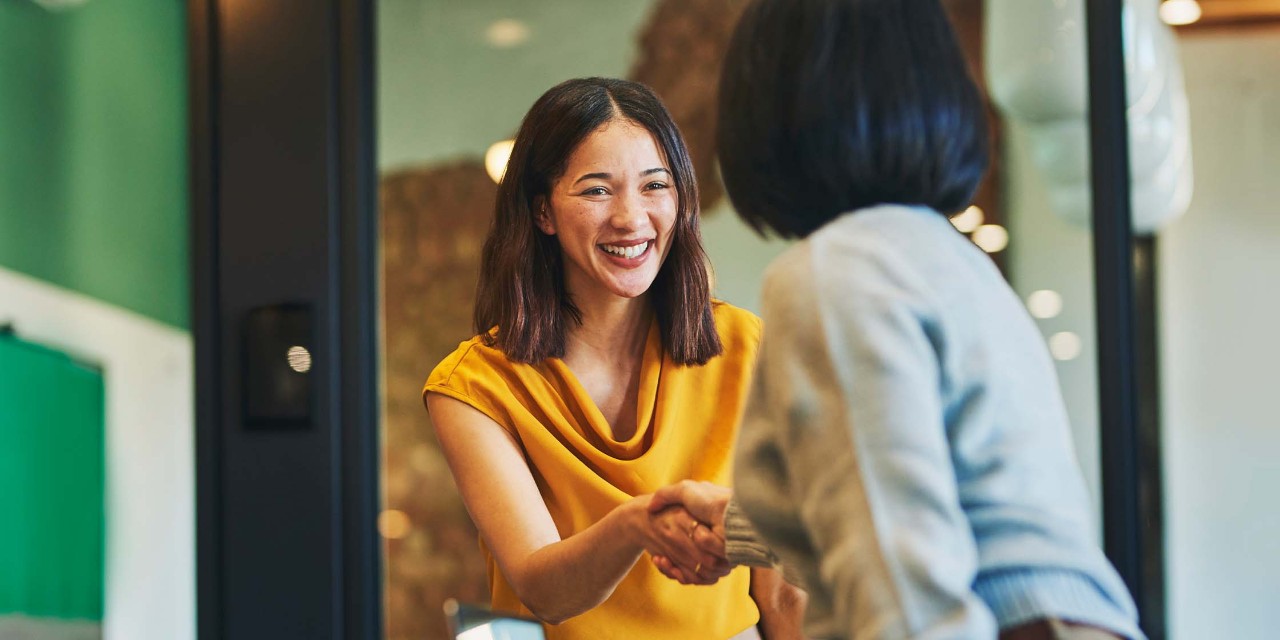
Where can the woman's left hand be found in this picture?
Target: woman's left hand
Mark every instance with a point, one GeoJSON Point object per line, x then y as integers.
{"type": "Point", "coordinates": [698, 553]}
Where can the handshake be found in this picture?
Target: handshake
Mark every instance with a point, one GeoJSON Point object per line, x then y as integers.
{"type": "Point", "coordinates": [687, 532]}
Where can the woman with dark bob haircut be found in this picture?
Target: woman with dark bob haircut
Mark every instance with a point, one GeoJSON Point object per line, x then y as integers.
{"type": "Point", "coordinates": [601, 372]}
{"type": "Point", "coordinates": [905, 449]}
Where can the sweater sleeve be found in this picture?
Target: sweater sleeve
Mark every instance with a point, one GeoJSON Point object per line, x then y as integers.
{"type": "Point", "coordinates": [844, 464]}
{"type": "Point", "coordinates": [742, 543]}
{"type": "Point", "coordinates": [744, 546]}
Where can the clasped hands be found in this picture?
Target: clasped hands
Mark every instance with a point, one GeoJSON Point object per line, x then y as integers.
{"type": "Point", "coordinates": [688, 520]}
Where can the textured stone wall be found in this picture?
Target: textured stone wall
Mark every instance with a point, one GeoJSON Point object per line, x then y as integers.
{"type": "Point", "coordinates": [681, 48]}
{"type": "Point", "coordinates": [433, 225]}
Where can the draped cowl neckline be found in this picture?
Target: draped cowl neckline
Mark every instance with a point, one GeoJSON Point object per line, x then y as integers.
{"type": "Point", "coordinates": [591, 425]}
{"type": "Point", "coordinates": [686, 425]}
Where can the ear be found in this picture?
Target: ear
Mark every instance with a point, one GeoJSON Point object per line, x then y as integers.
{"type": "Point", "coordinates": [542, 216]}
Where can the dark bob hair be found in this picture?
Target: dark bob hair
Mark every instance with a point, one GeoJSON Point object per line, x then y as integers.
{"type": "Point", "coordinates": [521, 290]}
{"type": "Point", "coordinates": [828, 106]}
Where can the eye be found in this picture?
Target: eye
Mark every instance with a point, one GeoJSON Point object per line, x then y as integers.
{"type": "Point", "coordinates": [596, 191]}
{"type": "Point", "coordinates": [657, 184]}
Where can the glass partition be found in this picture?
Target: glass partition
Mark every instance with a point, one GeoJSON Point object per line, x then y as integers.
{"type": "Point", "coordinates": [454, 81]}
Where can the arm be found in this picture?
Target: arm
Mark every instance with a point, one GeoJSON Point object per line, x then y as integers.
{"type": "Point", "coordinates": [556, 579]}
{"type": "Point", "coordinates": [781, 605]}
{"type": "Point", "coordinates": [844, 465]}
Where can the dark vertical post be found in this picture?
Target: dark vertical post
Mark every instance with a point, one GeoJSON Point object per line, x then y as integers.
{"type": "Point", "coordinates": [1151, 600]}
{"type": "Point", "coordinates": [284, 218]}
{"type": "Point", "coordinates": [1121, 458]}
{"type": "Point", "coordinates": [358, 293]}
{"type": "Point", "coordinates": [205, 320]}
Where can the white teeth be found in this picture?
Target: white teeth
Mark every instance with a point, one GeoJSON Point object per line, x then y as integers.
{"type": "Point", "coordinates": [626, 252]}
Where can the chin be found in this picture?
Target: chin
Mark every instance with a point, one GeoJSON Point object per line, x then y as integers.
{"type": "Point", "coordinates": [632, 290]}
{"type": "Point", "coordinates": [629, 293]}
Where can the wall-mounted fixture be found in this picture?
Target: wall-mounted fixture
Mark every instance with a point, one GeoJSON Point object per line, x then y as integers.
{"type": "Point", "coordinates": [277, 367]}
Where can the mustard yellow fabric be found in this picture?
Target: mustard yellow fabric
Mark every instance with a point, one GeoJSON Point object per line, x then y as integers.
{"type": "Point", "coordinates": [687, 422]}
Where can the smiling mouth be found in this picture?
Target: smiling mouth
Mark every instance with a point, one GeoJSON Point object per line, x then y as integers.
{"type": "Point", "coordinates": [633, 251]}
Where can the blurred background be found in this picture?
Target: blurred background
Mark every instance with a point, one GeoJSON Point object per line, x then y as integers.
{"type": "Point", "coordinates": [97, 486]}
{"type": "Point", "coordinates": [97, 471]}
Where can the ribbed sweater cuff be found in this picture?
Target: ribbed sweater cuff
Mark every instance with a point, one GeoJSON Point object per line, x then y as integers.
{"type": "Point", "coordinates": [1019, 596]}
{"type": "Point", "coordinates": [741, 542]}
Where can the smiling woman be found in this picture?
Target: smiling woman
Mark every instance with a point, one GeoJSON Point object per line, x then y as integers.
{"type": "Point", "coordinates": [587, 386]}
{"type": "Point", "coordinates": [614, 220]}
{"type": "Point", "coordinates": [588, 146]}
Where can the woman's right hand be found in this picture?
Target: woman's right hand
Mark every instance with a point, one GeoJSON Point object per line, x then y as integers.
{"type": "Point", "coordinates": [683, 548]}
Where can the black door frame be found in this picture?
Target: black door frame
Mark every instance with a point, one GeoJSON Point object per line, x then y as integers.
{"type": "Point", "coordinates": [1128, 340]}
{"type": "Point", "coordinates": [285, 89]}
{"type": "Point", "coordinates": [284, 211]}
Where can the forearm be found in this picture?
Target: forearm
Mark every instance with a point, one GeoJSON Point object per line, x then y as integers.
{"type": "Point", "coordinates": [555, 578]}
{"type": "Point", "coordinates": [781, 605]}
{"type": "Point", "coordinates": [574, 575]}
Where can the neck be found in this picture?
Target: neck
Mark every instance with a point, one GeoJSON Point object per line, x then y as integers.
{"type": "Point", "coordinates": [614, 329]}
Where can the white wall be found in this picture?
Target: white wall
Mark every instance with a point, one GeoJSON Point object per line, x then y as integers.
{"type": "Point", "coordinates": [1219, 301]}
{"type": "Point", "coordinates": [147, 366]}
{"type": "Point", "coordinates": [1220, 290]}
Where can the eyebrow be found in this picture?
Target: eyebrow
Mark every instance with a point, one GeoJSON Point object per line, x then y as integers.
{"type": "Point", "coordinates": [607, 176]}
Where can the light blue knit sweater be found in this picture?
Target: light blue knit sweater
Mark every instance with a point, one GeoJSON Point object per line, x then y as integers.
{"type": "Point", "coordinates": [906, 450]}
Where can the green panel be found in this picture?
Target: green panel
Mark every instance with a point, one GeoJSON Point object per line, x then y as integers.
{"type": "Point", "coordinates": [33, 145]}
{"type": "Point", "coordinates": [52, 477]}
{"type": "Point", "coordinates": [93, 150]}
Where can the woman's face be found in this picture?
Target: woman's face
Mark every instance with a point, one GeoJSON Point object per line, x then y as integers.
{"type": "Point", "coordinates": [613, 212]}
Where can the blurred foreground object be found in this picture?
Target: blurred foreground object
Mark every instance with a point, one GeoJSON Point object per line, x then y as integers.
{"type": "Point", "coordinates": [1036, 73]}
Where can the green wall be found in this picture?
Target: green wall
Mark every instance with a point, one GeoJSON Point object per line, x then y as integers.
{"type": "Point", "coordinates": [52, 456]}
{"type": "Point", "coordinates": [93, 150]}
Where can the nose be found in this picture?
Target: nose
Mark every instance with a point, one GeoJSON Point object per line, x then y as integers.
{"type": "Point", "coordinates": [629, 213]}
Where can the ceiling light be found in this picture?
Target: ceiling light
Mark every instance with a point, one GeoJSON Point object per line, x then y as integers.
{"type": "Point", "coordinates": [1179, 12]}
{"type": "Point", "coordinates": [1064, 345]}
{"type": "Point", "coordinates": [506, 33]}
{"type": "Point", "coordinates": [495, 159]}
{"type": "Point", "coordinates": [394, 524]}
{"type": "Point", "coordinates": [991, 238]}
{"type": "Point", "coordinates": [1044, 303]}
{"type": "Point", "coordinates": [968, 220]}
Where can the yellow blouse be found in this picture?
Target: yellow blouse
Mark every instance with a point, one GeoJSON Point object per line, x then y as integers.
{"type": "Point", "coordinates": [687, 424]}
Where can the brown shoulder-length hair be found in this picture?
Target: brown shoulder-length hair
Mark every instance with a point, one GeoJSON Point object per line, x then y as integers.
{"type": "Point", "coordinates": [521, 290]}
